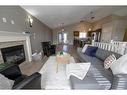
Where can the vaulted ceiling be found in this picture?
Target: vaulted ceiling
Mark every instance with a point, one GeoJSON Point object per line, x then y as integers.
{"type": "Point", "coordinates": [52, 16]}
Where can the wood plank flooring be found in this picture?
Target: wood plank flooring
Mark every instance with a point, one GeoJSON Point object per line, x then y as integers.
{"type": "Point", "coordinates": [29, 68]}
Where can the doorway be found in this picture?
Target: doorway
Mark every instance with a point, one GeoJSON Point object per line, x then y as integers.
{"type": "Point", "coordinates": [62, 38]}
{"type": "Point", "coordinates": [65, 38]}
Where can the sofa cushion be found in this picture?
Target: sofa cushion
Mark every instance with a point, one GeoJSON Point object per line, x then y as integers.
{"type": "Point", "coordinates": [87, 83]}
{"type": "Point", "coordinates": [87, 58]}
{"type": "Point", "coordinates": [102, 76]}
{"type": "Point", "coordinates": [109, 60]}
{"type": "Point", "coordinates": [96, 76]}
{"type": "Point", "coordinates": [12, 71]}
{"type": "Point", "coordinates": [117, 55]}
{"type": "Point", "coordinates": [80, 54]}
{"type": "Point", "coordinates": [96, 61]}
{"type": "Point", "coordinates": [103, 54]}
{"type": "Point", "coordinates": [120, 65]}
{"type": "Point", "coordinates": [84, 48]}
{"type": "Point", "coordinates": [119, 82]}
{"type": "Point", "coordinates": [95, 79]}
{"type": "Point", "coordinates": [83, 57]}
{"type": "Point", "coordinates": [99, 67]}
{"type": "Point", "coordinates": [91, 50]}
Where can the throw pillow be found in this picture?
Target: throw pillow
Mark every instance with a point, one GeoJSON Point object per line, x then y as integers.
{"type": "Point", "coordinates": [120, 65]}
{"type": "Point", "coordinates": [84, 48]}
{"type": "Point", "coordinates": [91, 50]}
{"type": "Point", "coordinates": [109, 60]}
{"type": "Point", "coordinates": [5, 83]}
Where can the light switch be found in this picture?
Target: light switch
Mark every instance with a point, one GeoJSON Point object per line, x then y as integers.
{"type": "Point", "coordinates": [4, 20]}
{"type": "Point", "coordinates": [12, 22]}
{"type": "Point", "coordinates": [34, 35]}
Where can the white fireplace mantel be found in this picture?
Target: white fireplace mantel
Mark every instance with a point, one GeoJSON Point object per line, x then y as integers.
{"type": "Point", "coordinates": [14, 36]}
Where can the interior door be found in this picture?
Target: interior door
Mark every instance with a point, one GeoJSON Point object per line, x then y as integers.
{"type": "Point", "coordinates": [60, 38]}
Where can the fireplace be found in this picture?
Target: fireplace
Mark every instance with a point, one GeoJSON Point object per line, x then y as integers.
{"type": "Point", "coordinates": [14, 54]}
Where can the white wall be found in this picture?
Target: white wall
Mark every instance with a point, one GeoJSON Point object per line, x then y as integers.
{"type": "Point", "coordinates": [113, 31]}
{"type": "Point", "coordinates": [106, 35]}
{"type": "Point", "coordinates": [119, 30]}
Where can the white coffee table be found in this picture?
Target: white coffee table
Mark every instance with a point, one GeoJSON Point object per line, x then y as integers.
{"type": "Point", "coordinates": [53, 80]}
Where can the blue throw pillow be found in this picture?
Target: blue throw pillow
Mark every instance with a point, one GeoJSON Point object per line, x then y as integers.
{"type": "Point", "coordinates": [91, 50]}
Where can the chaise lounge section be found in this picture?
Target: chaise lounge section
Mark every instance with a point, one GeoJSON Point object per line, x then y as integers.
{"type": "Point", "coordinates": [98, 78]}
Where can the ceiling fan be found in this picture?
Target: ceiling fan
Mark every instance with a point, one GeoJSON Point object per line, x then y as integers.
{"type": "Point", "coordinates": [61, 25]}
{"type": "Point", "coordinates": [90, 17]}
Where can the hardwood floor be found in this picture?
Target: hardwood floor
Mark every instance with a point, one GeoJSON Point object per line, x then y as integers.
{"type": "Point", "coordinates": [29, 68]}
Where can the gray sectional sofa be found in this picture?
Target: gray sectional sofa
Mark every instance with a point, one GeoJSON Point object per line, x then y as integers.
{"type": "Point", "coordinates": [98, 78]}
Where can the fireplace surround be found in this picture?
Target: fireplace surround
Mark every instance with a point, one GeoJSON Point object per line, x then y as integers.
{"type": "Point", "coordinates": [14, 54]}
{"type": "Point", "coordinates": [12, 39]}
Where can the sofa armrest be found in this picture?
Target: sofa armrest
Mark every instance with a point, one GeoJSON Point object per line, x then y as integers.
{"type": "Point", "coordinates": [31, 82]}
{"type": "Point", "coordinates": [12, 71]}
{"type": "Point", "coordinates": [119, 81]}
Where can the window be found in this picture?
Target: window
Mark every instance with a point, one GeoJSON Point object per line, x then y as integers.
{"type": "Point", "coordinates": [82, 35]}
{"type": "Point", "coordinates": [60, 37]}
{"type": "Point", "coordinates": [65, 37]}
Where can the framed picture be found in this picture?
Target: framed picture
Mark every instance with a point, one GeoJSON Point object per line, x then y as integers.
{"type": "Point", "coordinates": [76, 33]}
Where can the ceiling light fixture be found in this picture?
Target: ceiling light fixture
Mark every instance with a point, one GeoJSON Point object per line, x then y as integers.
{"type": "Point", "coordinates": [83, 19]}
{"type": "Point", "coordinates": [62, 27]}
{"type": "Point", "coordinates": [91, 15]}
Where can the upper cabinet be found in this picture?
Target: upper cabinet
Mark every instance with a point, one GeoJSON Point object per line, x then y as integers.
{"type": "Point", "coordinates": [107, 32]}
{"type": "Point", "coordinates": [114, 30]}
{"type": "Point", "coordinates": [76, 33]}
{"type": "Point", "coordinates": [119, 30]}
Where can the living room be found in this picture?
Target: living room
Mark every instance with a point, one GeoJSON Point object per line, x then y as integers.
{"type": "Point", "coordinates": [34, 37]}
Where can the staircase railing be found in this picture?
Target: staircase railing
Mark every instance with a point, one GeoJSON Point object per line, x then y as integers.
{"type": "Point", "coordinates": [118, 47]}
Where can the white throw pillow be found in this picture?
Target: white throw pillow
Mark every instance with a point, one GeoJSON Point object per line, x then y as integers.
{"type": "Point", "coordinates": [84, 48]}
{"type": "Point", "coordinates": [120, 65]}
{"type": "Point", "coordinates": [109, 60]}
{"type": "Point", "coordinates": [5, 83]}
